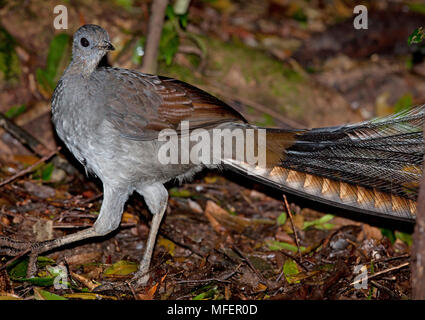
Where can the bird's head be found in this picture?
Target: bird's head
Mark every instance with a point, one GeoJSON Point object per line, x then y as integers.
{"type": "Point", "coordinates": [90, 44]}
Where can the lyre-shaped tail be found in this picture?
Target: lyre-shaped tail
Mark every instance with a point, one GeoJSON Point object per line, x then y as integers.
{"type": "Point", "coordinates": [372, 167]}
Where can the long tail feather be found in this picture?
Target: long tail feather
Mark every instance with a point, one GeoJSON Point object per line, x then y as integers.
{"type": "Point", "coordinates": [372, 167]}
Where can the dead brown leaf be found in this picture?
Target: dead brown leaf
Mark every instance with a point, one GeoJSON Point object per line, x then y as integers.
{"type": "Point", "coordinates": [220, 218]}
{"type": "Point", "coordinates": [83, 258]}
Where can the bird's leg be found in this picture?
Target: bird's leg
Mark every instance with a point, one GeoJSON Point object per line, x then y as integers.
{"type": "Point", "coordinates": [108, 220]}
{"type": "Point", "coordinates": [142, 275]}
{"type": "Point", "coordinates": [10, 247]}
{"type": "Point", "coordinates": [156, 198]}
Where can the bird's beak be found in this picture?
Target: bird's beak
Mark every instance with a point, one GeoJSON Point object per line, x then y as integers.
{"type": "Point", "coordinates": [106, 46]}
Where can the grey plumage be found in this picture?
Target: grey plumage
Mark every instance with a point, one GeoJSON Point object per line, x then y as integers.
{"type": "Point", "coordinates": [89, 108]}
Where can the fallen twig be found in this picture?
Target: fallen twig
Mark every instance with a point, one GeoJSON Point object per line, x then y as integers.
{"type": "Point", "coordinates": [400, 266]}
{"type": "Point", "coordinates": [246, 260]}
{"type": "Point", "coordinates": [208, 280]}
{"type": "Point", "coordinates": [37, 147]}
{"type": "Point", "coordinates": [288, 210]}
{"type": "Point", "coordinates": [384, 288]}
{"type": "Point", "coordinates": [14, 259]}
{"type": "Point", "coordinates": [29, 169]}
{"type": "Point", "coordinates": [90, 284]}
{"type": "Point", "coordinates": [23, 136]}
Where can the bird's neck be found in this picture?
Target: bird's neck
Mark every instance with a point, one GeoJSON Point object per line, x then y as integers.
{"type": "Point", "coordinates": [82, 66]}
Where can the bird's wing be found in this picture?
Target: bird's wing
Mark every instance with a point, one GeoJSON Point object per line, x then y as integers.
{"type": "Point", "coordinates": [142, 105]}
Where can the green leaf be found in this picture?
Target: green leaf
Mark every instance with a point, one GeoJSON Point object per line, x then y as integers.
{"type": "Point", "coordinates": [57, 50]}
{"type": "Point", "coordinates": [266, 121]}
{"type": "Point", "coordinates": [417, 7]}
{"type": "Point", "coordinates": [177, 193]}
{"type": "Point", "coordinates": [417, 36]}
{"type": "Point", "coordinates": [44, 261]}
{"type": "Point", "coordinates": [9, 62]}
{"type": "Point", "coordinates": [325, 226]}
{"type": "Point", "coordinates": [39, 281]}
{"type": "Point", "coordinates": [372, 267]}
{"type": "Point", "coordinates": [277, 245]}
{"type": "Point", "coordinates": [405, 102]}
{"type": "Point", "coordinates": [169, 43]}
{"type": "Point", "coordinates": [290, 269]}
{"type": "Point", "coordinates": [121, 268]}
{"type": "Point", "coordinates": [6, 297]}
{"type": "Point", "coordinates": [369, 296]}
{"type": "Point", "coordinates": [210, 294]}
{"type": "Point", "coordinates": [389, 234]}
{"type": "Point", "coordinates": [18, 270]}
{"type": "Point", "coordinates": [57, 59]}
{"type": "Point", "coordinates": [127, 4]}
{"type": "Point", "coordinates": [88, 296]}
{"type": "Point", "coordinates": [40, 294]}
{"type": "Point", "coordinates": [169, 12]}
{"type": "Point", "coordinates": [299, 15]}
{"type": "Point", "coordinates": [47, 171]}
{"type": "Point", "coordinates": [183, 19]}
{"type": "Point", "coordinates": [405, 237]}
{"type": "Point", "coordinates": [15, 111]}
{"type": "Point", "coordinates": [281, 219]}
{"type": "Point", "coordinates": [321, 223]}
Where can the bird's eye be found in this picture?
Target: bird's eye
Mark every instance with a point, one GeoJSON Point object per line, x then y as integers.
{"type": "Point", "coordinates": [84, 42]}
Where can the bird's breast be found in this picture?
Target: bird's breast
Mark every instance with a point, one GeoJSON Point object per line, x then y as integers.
{"type": "Point", "coordinates": [74, 120]}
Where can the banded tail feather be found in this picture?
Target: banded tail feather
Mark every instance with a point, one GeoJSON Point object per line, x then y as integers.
{"type": "Point", "coordinates": [372, 167]}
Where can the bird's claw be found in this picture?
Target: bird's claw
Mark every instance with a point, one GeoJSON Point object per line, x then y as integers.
{"type": "Point", "coordinates": [140, 279]}
{"type": "Point", "coordinates": [13, 248]}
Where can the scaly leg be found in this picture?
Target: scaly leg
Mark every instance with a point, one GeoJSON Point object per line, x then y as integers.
{"type": "Point", "coordinates": [108, 220]}
{"type": "Point", "coordinates": [156, 198]}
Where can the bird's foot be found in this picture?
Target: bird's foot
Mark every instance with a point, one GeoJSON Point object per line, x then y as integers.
{"type": "Point", "coordinates": [15, 248]}
{"type": "Point", "coordinates": [140, 279]}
